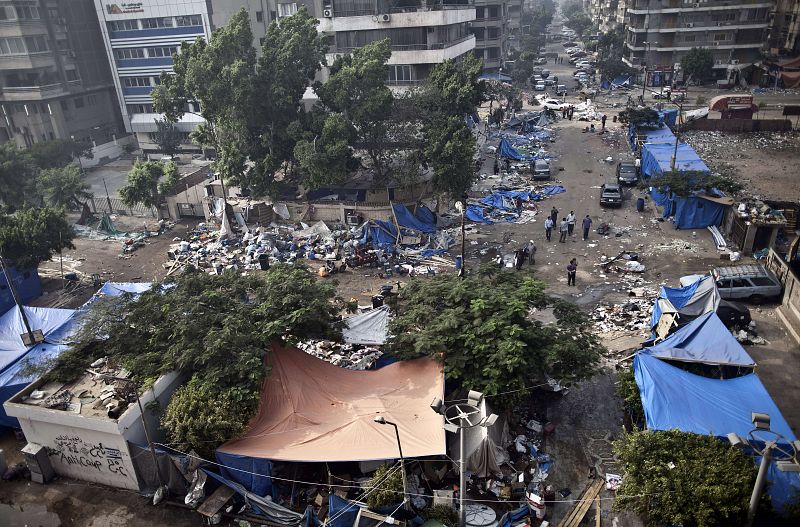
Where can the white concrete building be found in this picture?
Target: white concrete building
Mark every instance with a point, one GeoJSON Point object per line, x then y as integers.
{"type": "Point", "coordinates": [140, 38]}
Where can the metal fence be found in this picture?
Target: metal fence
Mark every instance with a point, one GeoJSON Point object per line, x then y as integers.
{"type": "Point", "coordinates": [115, 206]}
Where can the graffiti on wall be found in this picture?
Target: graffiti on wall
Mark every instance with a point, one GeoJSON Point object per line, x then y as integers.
{"type": "Point", "coordinates": [71, 450]}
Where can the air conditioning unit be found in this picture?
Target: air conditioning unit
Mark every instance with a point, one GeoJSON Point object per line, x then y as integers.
{"type": "Point", "coordinates": [690, 24]}
{"type": "Point", "coordinates": [734, 61]}
{"type": "Point", "coordinates": [720, 24]}
{"type": "Point", "coordinates": [327, 13]}
{"type": "Point", "coordinates": [384, 17]}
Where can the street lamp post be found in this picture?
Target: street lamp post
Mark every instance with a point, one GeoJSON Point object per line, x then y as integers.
{"type": "Point", "coordinates": [382, 421]}
{"type": "Point", "coordinates": [462, 208]}
{"type": "Point", "coordinates": [772, 442]}
{"type": "Point", "coordinates": [459, 417]}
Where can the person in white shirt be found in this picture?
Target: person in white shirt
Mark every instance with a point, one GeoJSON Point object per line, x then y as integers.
{"type": "Point", "coordinates": [571, 222]}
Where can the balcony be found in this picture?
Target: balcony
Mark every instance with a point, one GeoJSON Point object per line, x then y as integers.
{"type": "Point", "coordinates": [642, 8]}
{"type": "Point", "coordinates": [157, 32]}
{"type": "Point", "coordinates": [415, 47]}
{"type": "Point", "coordinates": [444, 17]}
{"type": "Point", "coordinates": [699, 26]}
{"type": "Point", "coordinates": [422, 53]}
{"type": "Point", "coordinates": [36, 93]}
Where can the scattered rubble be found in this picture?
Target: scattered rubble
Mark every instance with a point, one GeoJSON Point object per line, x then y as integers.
{"type": "Point", "coordinates": [348, 356]}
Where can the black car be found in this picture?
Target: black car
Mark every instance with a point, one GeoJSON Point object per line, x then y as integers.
{"type": "Point", "coordinates": [627, 173]}
{"type": "Point", "coordinates": [733, 313]}
{"type": "Point", "coordinates": [610, 196]}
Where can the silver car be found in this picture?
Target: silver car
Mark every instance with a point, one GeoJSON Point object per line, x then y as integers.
{"type": "Point", "coordinates": [750, 282]}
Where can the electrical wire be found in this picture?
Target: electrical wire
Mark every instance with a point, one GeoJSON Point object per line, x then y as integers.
{"type": "Point", "coordinates": [430, 496]}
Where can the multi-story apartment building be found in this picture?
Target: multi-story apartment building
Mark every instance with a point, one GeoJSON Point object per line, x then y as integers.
{"type": "Point", "coordinates": [783, 33]}
{"type": "Point", "coordinates": [423, 33]}
{"type": "Point", "coordinates": [140, 38]}
{"type": "Point", "coordinates": [661, 32]}
{"type": "Point", "coordinates": [497, 29]}
{"type": "Point", "coordinates": [620, 16]}
{"type": "Point", "coordinates": [54, 79]}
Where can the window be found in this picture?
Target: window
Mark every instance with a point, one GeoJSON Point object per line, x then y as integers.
{"type": "Point", "coordinates": [129, 82]}
{"type": "Point", "coordinates": [129, 53]}
{"type": "Point", "coordinates": [155, 23]}
{"type": "Point", "coordinates": [762, 281]}
{"type": "Point", "coordinates": [78, 102]}
{"type": "Point", "coordinates": [259, 16]}
{"type": "Point", "coordinates": [399, 73]}
{"type": "Point", "coordinates": [64, 105]}
{"type": "Point", "coordinates": [123, 25]}
{"type": "Point", "coordinates": [4, 13]}
{"type": "Point", "coordinates": [167, 51]}
{"type": "Point", "coordinates": [27, 12]}
{"type": "Point", "coordinates": [140, 108]}
{"type": "Point", "coordinates": [719, 37]}
{"type": "Point", "coordinates": [286, 10]}
{"type": "Point", "coordinates": [740, 282]}
{"type": "Point", "coordinates": [479, 13]}
{"type": "Point", "coordinates": [689, 38]}
{"type": "Point", "coordinates": [189, 20]}
{"type": "Point", "coordinates": [12, 46]}
{"type": "Point", "coordinates": [91, 99]}
{"type": "Point", "coordinates": [36, 44]}
{"type": "Point", "coordinates": [72, 75]}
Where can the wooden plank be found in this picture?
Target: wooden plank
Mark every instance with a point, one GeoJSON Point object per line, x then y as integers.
{"type": "Point", "coordinates": [216, 501]}
{"type": "Point", "coordinates": [597, 517]}
{"type": "Point", "coordinates": [578, 512]}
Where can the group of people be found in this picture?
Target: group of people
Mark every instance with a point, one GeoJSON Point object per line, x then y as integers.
{"type": "Point", "coordinates": [567, 225]}
{"type": "Point", "coordinates": [567, 111]}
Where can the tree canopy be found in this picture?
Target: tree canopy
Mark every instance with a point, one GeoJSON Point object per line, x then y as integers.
{"type": "Point", "coordinates": [63, 187]}
{"type": "Point", "coordinates": [483, 330]}
{"type": "Point", "coordinates": [167, 137]}
{"type": "Point", "coordinates": [216, 331]}
{"type": "Point", "coordinates": [142, 183]}
{"type": "Point", "coordinates": [17, 176]}
{"type": "Point", "coordinates": [610, 46]}
{"type": "Point", "coordinates": [698, 63]}
{"type": "Point", "coordinates": [683, 183]}
{"type": "Point", "coordinates": [59, 152]}
{"type": "Point", "coordinates": [30, 236]}
{"type": "Point", "coordinates": [680, 478]}
{"type": "Point", "coordinates": [451, 150]}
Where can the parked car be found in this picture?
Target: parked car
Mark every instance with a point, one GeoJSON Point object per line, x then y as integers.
{"type": "Point", "coordinates": [610, 195]}
{"type": "Point", "coordinates": [549, 82]}
{"type": "Point", "coordinates": [541, 62]}
{"type": "Point", "coordinates": [541, 169]}
{"type": "Point", "coordinates": [545, 74]}
{"type": "Point", "coordinates": [627, 173]}
{"type": "Point", "coordinates": [570, 44]}
{"type": "Point", "coordinates": [537, 70]}
{"type": "Point", "coordinates": [561, 90]}
{"type": "Point", "coordinates": [540, 86]}
{"type": "Point", "coordinates": [552, 104]}
{"type": "Point", "coordinates": [752, 282]}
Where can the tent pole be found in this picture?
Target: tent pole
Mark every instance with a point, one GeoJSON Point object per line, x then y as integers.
{"type": "Point", "coordinates": [17, 300]}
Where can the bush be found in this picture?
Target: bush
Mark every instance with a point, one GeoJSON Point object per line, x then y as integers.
{"type": "Point", "coordinates": [443, 514]}
{"type": "Point", "coordinates": [387, 490]}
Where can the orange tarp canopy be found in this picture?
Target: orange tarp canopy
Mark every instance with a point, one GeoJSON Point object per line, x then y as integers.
{"type": "Point", "coordinates": [314, 411]}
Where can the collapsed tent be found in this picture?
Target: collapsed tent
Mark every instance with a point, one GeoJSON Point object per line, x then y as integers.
{"type": "Point", "coordinates": [483, 446]}
{"type": "Point", "coordinates": [621, 81]}
{"type": "Point", "coordinates": [312, 411]}
{"type": "Point", "coordinates": [668, 116]}
{"type": "Point", "coordinates": [705, 340]}
{"type": "Point", "coordinates": [16, 357]}
{"type": "Point", "coordinates": [414, 222]}
{"type": "Point", "coordinates": [676, 399]}
{"type": "Point", "coordinates": [691, 301]}
{"type": "Point", "coordinates": [657, 159]}
{"type": "Point", "coordinates": [509, 152]}
{"type": "Point", "coordinates": [384, 233]}
{"type": "Point", "coordinates": [370, 328]}
{"type": "Point", "coordinates": [660, 134]}
{"type": "Point", "coordinates": [500, 205]}
{"type": "Point", "coordinates": [695, 211]}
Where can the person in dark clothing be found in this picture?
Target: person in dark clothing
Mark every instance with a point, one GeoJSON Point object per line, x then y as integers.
{"type": "Point", "coordinates": [548, 227]}
{"type": "Point", "coordinates": [586, 224]}
{"type": "Point", "coordinates": [554, 215]}
{"type": "Point", "coordinates": [519, 258]}
{"type": "Point", "coordinates": [603, 122]}
{"type": "Point", "coordinates": [496, 167]}
{"type": "Point", "coordinates": [518, 204]}
{"type": "Point", "coordinates": [572, 270]}
{"type": "Point", "coordinates": [507, 164]}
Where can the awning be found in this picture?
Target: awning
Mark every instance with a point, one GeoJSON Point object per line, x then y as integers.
{"type": "Point", "coordinates": [313, 411]}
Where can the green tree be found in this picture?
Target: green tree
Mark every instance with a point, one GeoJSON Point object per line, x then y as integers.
{"type": "Point", "coordinates": [290, 58]}
{"type": "Point", "coordinates": [580, 23]}
{"type": "Point", "coordinates": [63, 187]}
{"type": "Point", "coordinates": [357, 90]}
{"type": "Point", "coordinates": [698, 63]}
{"type": "Point", "coordinates": [610, 47]}
{"type": "Point", "coordinates": [388, 480]}
{"type": "Point", "coordinates": [628, 391]}
{"type": "Point", "coordinates": [572, 8]}
{"type": "Point", "coordinates": [680, 478]}
{"type": "Point", "coordinates": [30, 236]}
{"type": "Point", "coordinates": [639, 117]}
{"type": "Point", "coordinates": [59, 152]}
{"type": "Point", "coordinates": [481, 329]}
{"type": "Point", "coordinates": [683, 183]}
{"type": "Point", "coordinates": [326, 157]}
{"type": "Point", "coordinates": [453, 88]}
{"type": "Point", "coordinates": [141, 185]}
{"type": "Point", "coordinates": [450, 147]}
{"type": "Point", "coordinates": [17, 176]}
{"type": "Point", "coordinates": [167, 137]}
{"type": "Point", "coordinates": [216, 331]}
{"type": "Point", "coordinates": [220, 76]}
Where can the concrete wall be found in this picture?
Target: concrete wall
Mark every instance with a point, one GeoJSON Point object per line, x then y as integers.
{"type": "Point", "coordinates": [108, 151]}
{"type": "Point", "coordinates": [789, 310]}
{"type": "Point", "coordinates": [740, 125]}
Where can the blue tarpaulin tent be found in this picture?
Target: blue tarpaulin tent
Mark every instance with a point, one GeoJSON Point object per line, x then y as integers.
{"type": "Point", "coordinates": [676, 399]}
{"type": "Point", "coordinates": [668, 116]}
{"type": "Point", "coordinates": [622, 80]}
{"type": "Point", "coordinates": [503, 200]}
{"type": "Point", "coordinates": [692, 300]}
{"type": "Point", "coordinates": [706, 340]}
{"type": "Point", "coordinates": [407, 220]}
{"type": "Point", "coordinates": [27, 283]}
{"type": "Point", "coordinates": [657, 159]}
{"type": "Point", "coordinates": [252, 473]}
{"type": "Point", "coordinates": [696, 211]}
{"type": "Point", "coordinates": [658, 135]}
{"type": "Point", "coordinates": [509, 152]}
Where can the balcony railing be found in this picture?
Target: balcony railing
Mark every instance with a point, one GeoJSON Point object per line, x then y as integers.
{"type": "Point", "coordinates": [412, 47]}
{"type": "Point", "coordinates": [402, 9]}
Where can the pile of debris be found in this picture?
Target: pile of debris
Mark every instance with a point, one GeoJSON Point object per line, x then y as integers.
{"type": "Point", "coordinates": [718, 145]}
{"type": "Point", "coordinates": [760, 213]}
{"type": "Point", "coordinates": [348, 356]}
{"type": "Point", "coordinates": [748, 335]}
{"type": "Point", "coordinates": [632, 315]}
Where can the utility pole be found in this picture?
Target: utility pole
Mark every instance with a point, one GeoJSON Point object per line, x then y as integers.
{"type": "Point", "coordinates": [677, 135]}
{"type": "Point", "coordinates": [108, 198]}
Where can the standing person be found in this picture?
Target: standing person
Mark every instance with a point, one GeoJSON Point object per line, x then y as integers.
{"type": "Point", "coordinates": [587, 224]}
{"type": "Point", "coordinates": [519, 258]}
{"type": "Point", "coordinates": [572, 270]}
{"type": "Point", "coordinates": [563, 229]}
{"type": "Point", "coordinates": [496, 167]}
{"type": "Point", "coordinates": [554, 215]}
{"type": "Point", "coordinates": [548, 227]}
{"type": "Point", "coordinates": [571, 221]}
{"type": "Point", "coordinates": [531, 248]}
{"type": "Point", "coordinates": [603, 122]}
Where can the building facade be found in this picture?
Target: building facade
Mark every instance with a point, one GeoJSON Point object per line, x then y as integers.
{"type": "Point", "coordinates": [55, 82]}
{"type": "Point", "coordinates": [784, 28]}
{"type": "Point", "coordinates": [139, 40]}
{"type": "Point", "coordinates": [422, 33]}
{"type": "Point", "coordinates": [660, 33]}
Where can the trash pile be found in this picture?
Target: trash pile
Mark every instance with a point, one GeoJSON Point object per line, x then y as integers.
{"type": "Point", "coordinates": [509, 205]}
{"type": "Point", "coordinates": [748, 335]}
{"type": "Point", "coordinates": [718, 145]}
{"type": "Point", "coordinates": [674, 247]}
{"type": "Point", "coordinates": [348, 356]}
{"type": "Point", "coordinates": [760, 213]}
{"type": "Point", "coordinates": [632, 315]}
{"type": "Point", "coordinates": [104, 230]}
